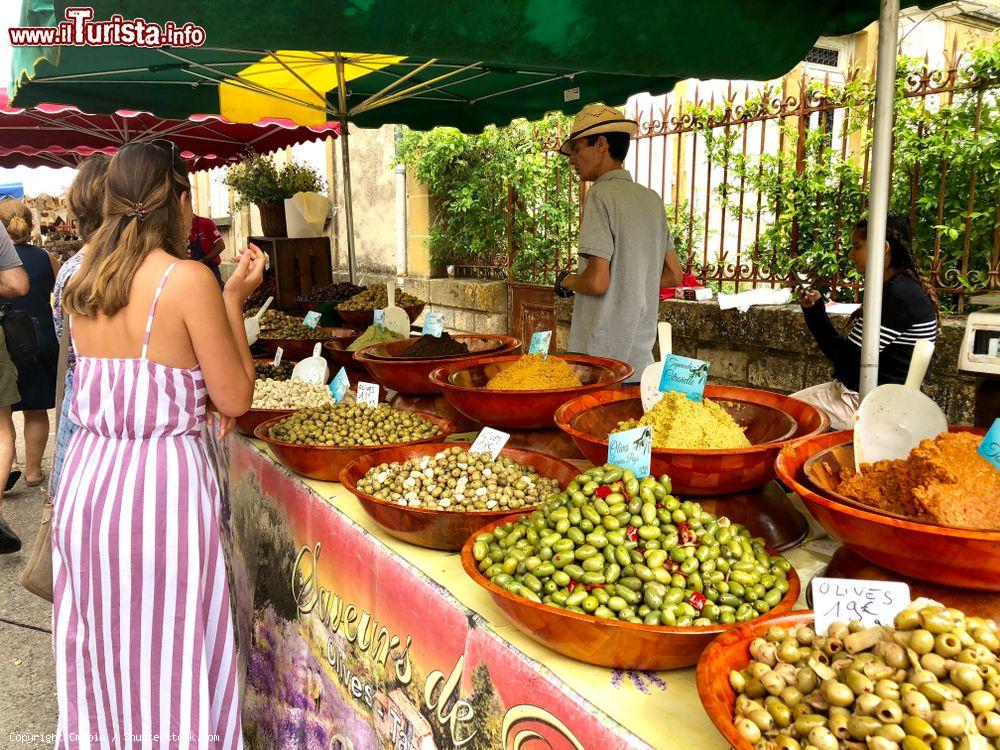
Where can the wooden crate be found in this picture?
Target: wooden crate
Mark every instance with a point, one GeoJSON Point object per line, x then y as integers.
{"type": "Point", "coordinates": [298, 265]}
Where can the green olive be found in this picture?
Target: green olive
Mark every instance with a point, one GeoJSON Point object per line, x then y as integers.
{"type": "Point", "coordinates": [948, 723]}
{"type": "Point", "coordinates": [919, 728]}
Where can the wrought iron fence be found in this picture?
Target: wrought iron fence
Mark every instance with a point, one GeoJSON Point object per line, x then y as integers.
{"type": "Point", "coordinates": [761, 183]}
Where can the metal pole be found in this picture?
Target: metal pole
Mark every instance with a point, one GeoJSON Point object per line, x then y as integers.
{"type": "Point", "coordinates": [400, 208]}
{"type": "Point", "coordinates": [878, 203]}
{"type": "Point", "coordinates": [345, 157]}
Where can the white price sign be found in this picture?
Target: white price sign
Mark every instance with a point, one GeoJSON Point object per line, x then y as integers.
{"type": "Point", "coordinates": [846, 599]}
{"type": "Point", "coordinates": [368, 394]}
{"type": "Point", "coordinates": [490, 441]}
{"type": "Point", "coordinates": [277, 356]}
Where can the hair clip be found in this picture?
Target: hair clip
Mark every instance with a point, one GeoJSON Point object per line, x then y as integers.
{"type": "Point", "coordinates": [138, 211]}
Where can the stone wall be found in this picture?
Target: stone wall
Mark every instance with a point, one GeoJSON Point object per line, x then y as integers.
{"type": "Point", "coordinates": [771, 348]}
{"type": "Point", "coordinates": [468, 306]}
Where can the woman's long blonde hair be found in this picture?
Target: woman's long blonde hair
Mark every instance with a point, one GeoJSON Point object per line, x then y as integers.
{"type": "Point", "coordinates": [16, 219]}
{"type": "Point", "coordinates": [142, 212]}
{"type": "Point", "coordinates": [85, 197]}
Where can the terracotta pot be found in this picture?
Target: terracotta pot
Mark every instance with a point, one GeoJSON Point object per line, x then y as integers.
{"type": "Point", "coordinates": [272, 219]}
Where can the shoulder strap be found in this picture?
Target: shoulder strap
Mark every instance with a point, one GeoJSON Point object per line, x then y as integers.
{"type": "Point", "coordinates": [152, 309]}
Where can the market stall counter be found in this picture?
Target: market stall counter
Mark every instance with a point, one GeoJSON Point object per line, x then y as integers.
{"type": "Point", "coordinates": [349, 638]}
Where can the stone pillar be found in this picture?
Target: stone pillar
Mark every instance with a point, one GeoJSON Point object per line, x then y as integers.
{"type": "Point", "coordinates": [419, 214]}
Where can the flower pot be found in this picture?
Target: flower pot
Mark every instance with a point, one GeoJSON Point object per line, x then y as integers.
{"type": "Point", "coordinates": [272, 219]}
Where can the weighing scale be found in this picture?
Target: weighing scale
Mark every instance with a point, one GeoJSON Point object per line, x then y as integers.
{"type": "Point", "coordinates": [980, 355]}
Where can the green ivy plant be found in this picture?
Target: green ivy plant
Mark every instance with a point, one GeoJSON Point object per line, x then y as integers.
{"type": "Point", "coordinates": [257, 180]}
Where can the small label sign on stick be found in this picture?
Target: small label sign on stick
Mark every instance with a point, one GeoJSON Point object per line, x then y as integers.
{"type": "Point", "coordinates": [490, 441]}
{"type": "Point", "coordinates": [684, 374]}
{"type": "Point", "coordinates": [312, 319]}
{"type": "Point", "coordinates": [339, 385]}
{"type": "Point", "coordinates": [368, 394]}
{"type": "Point", "coordinates": [540, 342]}
{"type": "Point", "coordinates": [433, 324]}
{"type": "Point", "coordinates": [379, 318]}
{"type": "Point", "coordinates": [277, 356]}
{"type": "Point", "coordinates": [990, 447]}
{"type": "Point", "coordinates": [632, 449]}
{"type": "Point", "coordinates": [846, 599]}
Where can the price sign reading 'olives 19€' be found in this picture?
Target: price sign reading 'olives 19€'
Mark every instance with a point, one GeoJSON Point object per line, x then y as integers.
{"type": "Point", "coordinates": [846, 599]}
{"type": "Point", "coordinates": [433, 324]}
{"type": "Point", "coordinates": [368, 394]}
{"type": "Point", "coordinates": [340, 385]}
{"type": "Point", "coordinates": [684, 374]}
{"type": "Point", "coordinates": [490, 441]}
{"type": "Point", "coordinates": [312, 319]}
{"type": "Point", "coordinates": [632, 449]}
{"type": "Point", "coordinates": [990, 447]}
{"type": "Point", "coordinates": [540, 342]}
{"type": "Point", "coordinates": [277, 356]}
{"type": "Point", "coordinates": [378, 318]}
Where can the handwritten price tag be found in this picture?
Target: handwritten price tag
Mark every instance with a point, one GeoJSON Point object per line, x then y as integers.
{"type": "Point", "coordinates": [990, 447]}
{"type": "Point", "coordinates": [632, 449]}
{"type": "Point", "coordinates": [540, 342]}
{"type": "Point", "coordinates": [277, 356]}
{"type": "Point", "coordinates": [379, 318]}
{"type": "Point", "coordinates": [312, 319]}
{"type": "Point", "coordinates": [368, 394]}
{"type": "Point", "coordinates": [490, 441]}
{"type": "Point", "coordinates": [339, 385]}
{"type": "Point", "coordinates": [846, 599]}
{"type": "Point", "coordinates": [433, 324]}
{"type": "Point", "coordinates": [686, 375]}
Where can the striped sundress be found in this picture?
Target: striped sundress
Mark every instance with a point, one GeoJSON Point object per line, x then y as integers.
{"type": "Point", "coordinates": [141, 624]}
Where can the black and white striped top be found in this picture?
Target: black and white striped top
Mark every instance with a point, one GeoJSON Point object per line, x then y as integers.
{"type": "Point", "coordinates": [907, 316]}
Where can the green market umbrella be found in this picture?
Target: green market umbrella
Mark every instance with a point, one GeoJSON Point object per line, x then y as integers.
{"type": "Point", "coordinates": [463, 63]}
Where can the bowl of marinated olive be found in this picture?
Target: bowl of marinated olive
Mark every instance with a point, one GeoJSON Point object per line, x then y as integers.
{"type": "Point", "coordinates": [320, 442]}
{"type": "Point", "coordinates": [616, 571]}
{"type": "Point", "coordinates": [297, 342]}
{"type": "Point", "coordinates": [437, 494]}
{"type": "Point", "coordinates": [359, 311]}
{"type": "Point", "coordinates": [280, 398]}
{"type": "Point", "coordinates": [929, 680]}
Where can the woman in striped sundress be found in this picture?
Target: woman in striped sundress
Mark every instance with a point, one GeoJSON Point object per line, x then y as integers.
{"type": "Point", "coordinates": [909, 313]}
{"type": "Point", "coordinates": [142, 629]}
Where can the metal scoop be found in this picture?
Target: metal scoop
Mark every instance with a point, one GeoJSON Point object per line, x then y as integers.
{"type": "Point", "coordinates": [893, 418]}
{"type": "Point", "coordinates": [252, 324]}
{"type": "Point", "coordinates": [312, 369]}
{"type": "Point", "coordinates": [396, 319]}
{"type": "Point", "coordinates": [649, 385]}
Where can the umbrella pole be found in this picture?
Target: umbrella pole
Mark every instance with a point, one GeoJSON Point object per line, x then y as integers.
{"type": "Point", "coordinates": [878, 202]}
{"type": "Point", "coordinates": [345, 157]}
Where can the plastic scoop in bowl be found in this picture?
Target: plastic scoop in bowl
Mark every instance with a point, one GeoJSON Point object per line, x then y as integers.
{"type": "Point", "coordinates": [649, 385]}
{"type": "Point", "coordinates": [893, 418]}
{"type": "Point", "coordinates": [252, 324]}
{"type": "Point", "coordinates": [396, 319]}
{"type": "Point", "coordinates": [312, 369]}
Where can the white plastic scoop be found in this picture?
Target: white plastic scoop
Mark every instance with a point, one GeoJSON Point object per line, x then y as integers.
{"type": "Point", "coordinates": [893, 418]}
{"type": "Point", "coordinates": [252, 324]}
{"type": "Point", "coordinates": [312, 369]}
{"type": "Point", "coordinates": [649, 385]}
{"type": "Point", "coordinates": [396, 319]}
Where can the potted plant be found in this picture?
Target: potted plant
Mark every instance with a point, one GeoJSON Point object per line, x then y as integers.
{"type": "Point", "coordinates": [258, 181]}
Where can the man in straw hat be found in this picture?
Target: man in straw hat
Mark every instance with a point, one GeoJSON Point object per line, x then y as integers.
{"type": "Point", "coordinates": [626, 251]}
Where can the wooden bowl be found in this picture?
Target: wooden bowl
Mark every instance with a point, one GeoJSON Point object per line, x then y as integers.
{"type": "Point", "coordinates": [412, 374]}
{"type": "Point", "coordinates": [963, 558]}
{"type": "Point", "coordinates": [729, 651]}
{"type": "Point", "coordinates": [335, 352]}
{"type": "Point", "coordinates": [441, 529]}
{"type": "Point", "coordinates": [463, 384]}
{"type": "Point", "coordinates": [297, 349]}
{"type": "Point", "coordinates": [326, 462]}
{"type": "Point", "coordinates": [361, 319]}
{"type": "Point", "coordinates": [606, 643]}
{"type": "Point", "coordinates": [770, 420]}
{"type": "Point", "coordinates": [248, 422]}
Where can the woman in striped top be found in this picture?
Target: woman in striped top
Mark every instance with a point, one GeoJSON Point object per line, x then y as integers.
{"type": "Point", "coordinates": [909, 313]}
{"type": "Point", "coordinates": [141, 620]}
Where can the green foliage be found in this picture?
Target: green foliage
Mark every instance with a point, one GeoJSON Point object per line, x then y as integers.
{"type": "Point", "coordinates": [257, 180]}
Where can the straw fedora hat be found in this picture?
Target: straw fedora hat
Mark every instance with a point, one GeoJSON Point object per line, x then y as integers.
{"type": "Point", "coordinates": [598, 118]}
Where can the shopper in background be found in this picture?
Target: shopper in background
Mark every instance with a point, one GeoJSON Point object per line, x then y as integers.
{"type": "Point", "coordinates": [36, 380]}
{"type": "Point", "coordinates": [85, 199]}
{"type": "Point", "coordinates": [13, 284]}
{"type": "Point", "coordinates": [206, 244]}
{"type": "Point", "coordinates": [155, 339]}
{"type": "Point", "coordinates": [626, 251]}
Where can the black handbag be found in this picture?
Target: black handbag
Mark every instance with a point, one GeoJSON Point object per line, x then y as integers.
{"type": "Point", "coordinates": [20, 333]}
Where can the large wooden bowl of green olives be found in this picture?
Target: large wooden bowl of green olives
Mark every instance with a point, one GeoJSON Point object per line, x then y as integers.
{"type": "Point", "coordinates": [320, 442]}
{"type": "Point", "coordinates": [616, 571]}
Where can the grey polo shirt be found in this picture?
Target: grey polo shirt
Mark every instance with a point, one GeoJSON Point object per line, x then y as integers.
{"type": "Point", "coordinates": [626, 224]}
{"type": "Point", "coordinates": [8, 254]}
